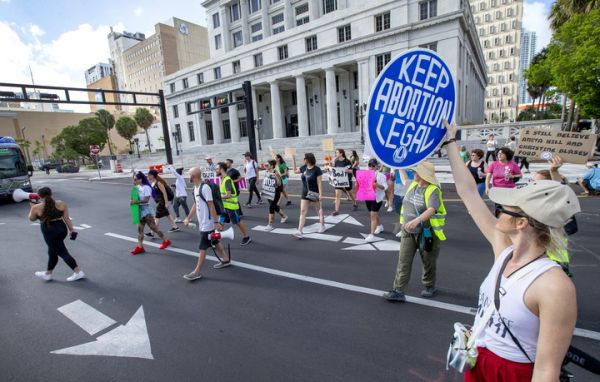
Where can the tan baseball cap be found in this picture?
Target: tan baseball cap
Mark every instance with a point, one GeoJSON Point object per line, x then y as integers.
{"type": "Point", "coordinates": [547, 201]}
{"type": "Point", "coordinates": [426, 171]}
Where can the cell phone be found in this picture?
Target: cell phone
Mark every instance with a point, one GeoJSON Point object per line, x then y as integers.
{"type": "Point", "coordinates": [74, 235]}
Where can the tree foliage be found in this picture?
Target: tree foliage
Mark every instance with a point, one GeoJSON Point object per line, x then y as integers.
{"type": "Point", "coordinates": [144, 118]}
{"type": "Point", "coordinates": [539, 77]}
{"type": "Point", "coordinates": [75, 141]}
{"type": "Point", "coordinates": [108, 121]}
{"type": "Point", "coordinates": [563, 10]}
{"type": "Point", "coordinates": [126, 127]}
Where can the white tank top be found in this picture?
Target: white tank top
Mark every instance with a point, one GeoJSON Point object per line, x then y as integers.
{"type": "Point", "coordinates": [524, 325]}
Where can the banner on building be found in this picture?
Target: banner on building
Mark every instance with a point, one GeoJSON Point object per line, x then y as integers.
{"type": "Point", "coordinates": [338, 177]}
{"type": "Point", "coordinates": [364, 184]}
{"type": "Point", "coordinates": [268, 186]}
{"type": "Point", "coordinates": [542, 144]}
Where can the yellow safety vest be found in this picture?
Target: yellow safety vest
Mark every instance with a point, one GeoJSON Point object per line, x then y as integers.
{"type": "Point", "coordinates": [562, 256]}
{"type": "Point", "coordinates": [232, 202]}
{"type": "Point", "coordinates": [438, 220]}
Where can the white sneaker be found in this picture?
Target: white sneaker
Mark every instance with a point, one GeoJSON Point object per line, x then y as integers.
{"type": "Point", "coordinates": [283, 220]}
{"type": "Point", "coordinates": [76, 276]}
{"type": "Point", "coordinates": [298, 234]}
{"type": "Point", "coordinates": [379, 229]}
{"type": "Point", "coordinates": [386, 204]}
{"type": "Point", "coordinates": [269, 228]}
{"type": "Point", "coordinates": [178, 220]}
{"type": "Point", "coordinates": [370, 239]}
{"type": "Point", "coordinates": [390, 209]}
{"type": "Point", "coordinates": [43, 275]}
{"type": "Point", "coordinates": [322, 229]}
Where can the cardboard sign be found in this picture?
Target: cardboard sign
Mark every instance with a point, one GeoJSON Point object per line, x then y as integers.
{"type": "Point", "coordinates": [327, 144]}
{"type": "Point", "coordinates": [411, 97]}
{"type": "Point", "coordinates": [134, 209]}
{"type": "Point", "coordinates": [364, 184]}
{"type": "Point", "coordinates": [210, 175]}
{"type": "Point", "coordinates": [338, 177]}
{"type": "Point", "coordinates": [289, 152]}
{"type": "Point", "coordinates": [542, 144]}
{"type": "Point", "coordinates": [268, 186]}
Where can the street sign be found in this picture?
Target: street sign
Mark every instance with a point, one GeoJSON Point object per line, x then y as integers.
{"type": "Point", "coordinates": [94, 149]}
{"type": "Point", "coordinates": [411, 97]}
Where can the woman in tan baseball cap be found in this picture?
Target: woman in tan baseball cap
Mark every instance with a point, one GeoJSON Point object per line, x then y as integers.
{"type": "Point", "coordinates": [533, 318]}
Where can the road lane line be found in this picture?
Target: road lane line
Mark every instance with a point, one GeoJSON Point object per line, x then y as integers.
{"type": "Point", "coordinates": [349, 287]}
{"type": "Point", "coordinates": [86, 317]}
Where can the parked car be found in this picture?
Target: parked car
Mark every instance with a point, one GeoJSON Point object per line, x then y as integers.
{"type": "Point", "coordinates": [68, 168]}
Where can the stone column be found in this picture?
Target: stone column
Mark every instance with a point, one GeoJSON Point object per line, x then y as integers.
{"type": "Point", "coordinates": [216, 125]}
{"type": "Point", "coordinates": [332, 121]}
{"type": "Point", "coordinates": [313, 9]}
{"type": "Point", "coordinates": [245, 9]}
{"type": "Point", "coordinates": [225, 40]}
{"type": "Point", "coordinates": [302, 106]}
{"type": "Point", "coordinates": [288, 15]}
{"type": "Point", "coordinates": [266, 23]}
{"type": "Point", "coordinates": [234, 123]}
{"type": "Point", "coordinates": [199, 121]}
{"type": "Point", "coordinates": [364, 85]}
{"type": "Point", "coordinates": [276, 111]}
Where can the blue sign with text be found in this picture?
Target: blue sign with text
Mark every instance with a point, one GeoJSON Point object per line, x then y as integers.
{"type": "Point", "coordinates": [411, 97]}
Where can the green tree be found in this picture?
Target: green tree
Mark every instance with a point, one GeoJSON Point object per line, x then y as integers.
{"type": "Point", "coordinates": [144, 118]}
{"type": "Point", "coordinates": [127, 128]}
{"type": "Point", "coordinates": [108, 121]}
{"type": "Point", "coordinates": [75, 141]}
{"type": "Point", "coordinates": [539, 77]}
{"type": "Point", "coordinates": [563, 10]}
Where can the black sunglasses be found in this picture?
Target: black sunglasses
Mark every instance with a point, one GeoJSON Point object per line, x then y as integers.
{"type": "Point", "coordinates": [502, 210]}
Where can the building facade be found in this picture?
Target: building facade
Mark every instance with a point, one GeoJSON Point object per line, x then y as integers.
{"type": "Point", "coordinates": [95, 95]}
{"type": "Point", "coordinates": [499, 24]}
{"type": "Point", "coordinates": [312, 63]}
{"type": "Point", "coordinates": [528, 47]}
{"type": "Point", "coordinates": [97, 72]}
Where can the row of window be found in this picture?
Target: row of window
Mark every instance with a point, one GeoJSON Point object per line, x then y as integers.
{"type": "Point", "coordinates": [493, 29]}
{"type": "Point", "coordinates": [225, 124]}
{"type": "Point", "coordinates": [508, 39]}
{"type": "Point", "coordinates": [497, 67]}
{"type": "Point", "coordinates": [510, 12]}
{"type": "Point", "coordinates": [501, 79]}
{"type": "Point", "coordinates": [146, 48]}
{"type": "Point", "coordinates": [501, 53]}
{"type": "Point", "coordinates": [495, 92]}
{"type": "Point", "coordinates": [492, 4]}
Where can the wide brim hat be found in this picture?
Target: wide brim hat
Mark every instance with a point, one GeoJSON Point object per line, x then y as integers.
{"type": "Point", "coordinates": [549, 202]}
{"type": "Point", "coordinates": [208, 157]}
{"type": "Point", "coordinates": [426, 171]}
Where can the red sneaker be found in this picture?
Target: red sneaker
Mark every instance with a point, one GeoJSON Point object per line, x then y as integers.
{"type": "Point", "coordinates": [138, 250]}
{"type": "Point", "coordinates": [165, 244]}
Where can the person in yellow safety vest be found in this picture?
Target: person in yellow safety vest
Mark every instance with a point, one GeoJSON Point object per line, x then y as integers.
{"type": "Point", "coordinates": [229, 195]}
{"type": "Point", "coordinates": [422, 217]}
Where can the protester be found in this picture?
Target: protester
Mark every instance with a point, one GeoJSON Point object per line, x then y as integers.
{"type": "Point", "coordinates": [401, 182]}
{"type": "Point", "coordinates": [54, 223]}
{"type": "Point", "coordinates": [147, 213]}
{"type": "Point", "coordinates": [273, 171]}
{"type": "Point", "coordinates": [162, 195]}
{"type": "Point", "coordinates": [502, 173]}
{"type": "Point", "coordinates": [251, 170]}
{"type": "Point", "coordinates": [477, 168]}
{"type": "Point", "coordinates": [524, 163]}
{"type": "Point", "coordinates": [355, 160]}
{"type": "Point", "coordinates": [380, 185]}
{"type": "Point", "coordinates": [529, 333]}
{"type": "Point", "coordinates": [342, 162]}
{"type": "Point", "coordinates": [180, 199]}
{"type": "Point", "coordinates": [312, 191]}
{"type": "Point", "coordinates": [210, 164]}
{"type": "Point", "coordinates": [511, 144]}
{"type": "Point", "coordinates": [235, 175]}
{"type": "Point", "coordinates": [284, 172]}
{"type": "Point", "coordinates": [422, 217]}
{"type": "Point", "coordinates": [464, 154]}
{"type": "Point", "coordinates": [491, 146]}
{"type": "Point", "coordinates": [591, 180]}
{"type": "Point", "coordinates": [229, 195]}
{"type": "Point", "coordinates": [204, 209]}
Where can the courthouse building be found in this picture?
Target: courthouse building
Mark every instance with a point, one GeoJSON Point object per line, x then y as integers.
{"type": "Point", "coordinates": [312, 64]}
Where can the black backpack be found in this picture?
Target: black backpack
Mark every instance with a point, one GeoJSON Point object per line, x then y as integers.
{"type": "Point", "coordinates": [216, 196]}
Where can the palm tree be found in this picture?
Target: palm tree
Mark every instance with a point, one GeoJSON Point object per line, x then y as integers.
{"type": "Point", "coordinates": [127, 128]}
{"type": "Point", "coordinates": [108, 121]}
{"type": "Point", "coordinates": [563, 10]}
{"type": "Point", "coordinates": [144, 119]}
{"type": "Point", "coordinates": [534, 92]}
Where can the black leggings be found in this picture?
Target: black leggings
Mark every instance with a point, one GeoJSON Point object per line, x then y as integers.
{"type": "Point", "coordinates": [492, 154]}
{"type": "Point", "coordinates": [55, 233]}
{"type": "Point", "coordinates": [524, 163]}
{"type": "Point", "coordinates": [252, 188]}
{"type": "Point", "coordinates": [274, 205]}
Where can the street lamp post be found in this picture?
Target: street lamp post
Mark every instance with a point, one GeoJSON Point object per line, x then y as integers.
{"type": "Point", "coordinates": [258, 128]}
{"type": "Point", "coordinates": [137, 145]}
{"type": "Point", "coordinates": [175, 138]}
{"type": "Point", "coordinates": [361, 114]}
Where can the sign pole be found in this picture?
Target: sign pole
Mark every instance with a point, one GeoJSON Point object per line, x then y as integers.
{"type": "Point", "coordinates": [97, 167]}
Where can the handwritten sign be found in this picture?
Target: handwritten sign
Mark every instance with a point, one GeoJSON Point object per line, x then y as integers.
{"type": "Point", "coordinates": [364, 184]}
{"type": "Point", "coordinates": [210, 175]}
{"type": "Point", "coordinates": [338, 177]}
{"type": "Point", "coordinates": [290, 152]}
{"type": "Point", "coordinates": [327, 144]}
{"type": "Point", "coordinates": [242, 185]}
{"type": "Point", "coordinates": [411, 97]}
{"type": "Point", "coordinates": [542, 144]}
{"type": "Point", "coordinates": [268, 186]}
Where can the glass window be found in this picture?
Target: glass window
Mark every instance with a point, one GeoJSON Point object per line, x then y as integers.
{"type": "Point", "coordinates": [300, 9]}
{"type": "Point", "coordinates": [329, 6]}
{"type": "Point", "coordinates": [344, 33]}
{"type": "Point", "coordinates": [430, 46]}
{"type": "Point", "coordinates": [235, 12]}
{"type": "Point", "coordinates": [226, 129]}
{"type": "Point", "coordinates": [236, 66]}
{"type": "Point", "coordinates": [256, 27]}
{"type": "Point", "coordinates": [237, 39]}
{"type": "Point", "coordinates": [243, 128]}
{"type": "Point", "coordinates": [302, 20]}
{"type": "Point", "coordinates": [311, 43]}
{"type": "Point", "coordinates": [382, 22]}
{"type": "Point", "coordinates": [186, 84]}
{"type": "Point", "coordinates": [257, 37]}
{"type": "Point", "coordinates": [282, 52]}
{"type": "Point", "coordinates": [381, 61]}
{"type": "Point", "coordinates": [427, 9]}
{"type": "Point", "coordinates": [178, 133]}
{"type": "Point", "coordinates": [191, 132]}
{"type": "Point", "coordinates": [278, 29]}
{"type": "Point", "coordinates": [255, 6]}
{"type": "Point", "coordinates": [209, 131]}
{"type": "Point", "coordinates": [200, 78]}
{"type": "Point", "coordinates": [172, 87]}
{"type": "Point", "coordinates": [216, 20]}
{"type": "Point", "coordinates": [258, 60]}
{"type": "Point", "coordinates": [217, 73]}
{"type": "Point", "coordinates": [277, 19]}
{"type": "Point", "coordinates": [218, 41]}
{"type": "Point", "coordinates": [175, 111]}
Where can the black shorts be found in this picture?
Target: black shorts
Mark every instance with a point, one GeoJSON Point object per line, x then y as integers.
{"type": "Point", "coordinates": [161, 210]}
{"type": "Point", "coordinates": [205, 240]}
{"type": "Point", "coordinates": [373, 206]}
{"type": "Point", "coordinates": [345, 188]}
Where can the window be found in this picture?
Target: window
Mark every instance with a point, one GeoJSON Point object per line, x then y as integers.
{"type": "Point", "coordinates": [339, 116]}
{"type": "Point", "coordinates": [337, 84]}
{"type": "Point", "coordinates": [235, 12]}
{"type": "Point", "coordinates": [257, 37]}
{"type": "Point", "coordinates": [430, 46]}
{"type": "Point", "coordinates": [258, 60]}
{"type": "Point", "coordinates": [243, 128]}
{"type": "Point", "coordinates": [302, 20]}
{"type": "Point", "coordinates": [427, 9]}
{"type": "Point", "coordinates": [209, 131]}
{"type": "Point", "coordinates": [497, 41]}
{"type": "Point", "coordinates": [503, 27]}
{"type": "Point", "coordinates": [381, 61]}
{"type": "Point", "coordinates": [277, 19]}
{"type": "Point", "coordinates": [242, 105]}
{"type": "Point", "coordinates": [509, 12]}
{"type": "Point", "coordinates": [507, 65]}
{"type": "Point", "coordinates": [502, 53]}
{"type": "Point", "coordinates": [216, 21]}
{"type": "Point", "coordinates": [277, 23]}
{"type": "Point", "coordinates": [175, 111]}
{"type": "Point", "coordinates": [255, 6]}
{"type": "Point", "coordinates": [382, 22]}
{"type": "Point", "coordinates": [329, 6]}
{"type": "Point", "coordinates": [311, 43]}
{"type": "Point", "coordinates": [188, 108]}
{"type": "Point", "coordinates": [256, 27]}
{"type": "Point", "coordinates": [191, 132]}
{"type": "Point", "coordinates": [236, 66]}
{"type": "Point", "coordinates": [186, 84]}
{"type": "Point", "coordinates": [508, 39]}
{"type": "Point", "coordinates": [355, 78]}
{"type": "Point", "coordinates": [217, 73]}
{"type": "Point", "coordinates": [178, 133]}
{"type": "Point", "coordinates": [302, 14]}
{"type": "Point", "coordinates": [200, 77]}
{"type": "Point", "coordinates": [237, 39]}
{"type": "Point", "coordinates": [218, 41]}
{"type": "Point", "coordinates": [226, 129]}
{"type": "Point", "coordinates": [498, 14]}
{"type": "Point", "coordinates": [279, 29]}
{"type": "Point", "coordinates": [282, 52]}
{"type": "Point", "coordinates": [172, 87]}
{"type": "Point", "coordinates": [344, 33]}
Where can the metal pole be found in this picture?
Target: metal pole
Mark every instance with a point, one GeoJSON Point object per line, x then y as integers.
{"type": "Point", "coordinates": [165, 126]}
{"type": "Point", "coordinates": [247, 87]}
{"type": "Point", "coordinates": [97, 167]}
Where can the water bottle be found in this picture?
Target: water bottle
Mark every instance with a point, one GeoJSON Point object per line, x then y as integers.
{"type": "Point", "coordinates": [506, 173]}
{"type": "Point", "coordinates": [479, 173]}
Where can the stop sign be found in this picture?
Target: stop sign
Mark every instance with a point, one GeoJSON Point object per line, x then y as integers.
{"type": "Point", "coordinates": [94, 149]}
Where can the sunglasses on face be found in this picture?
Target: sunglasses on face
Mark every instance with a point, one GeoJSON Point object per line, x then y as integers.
{"type": "Point", "coordinates": [501, 210]}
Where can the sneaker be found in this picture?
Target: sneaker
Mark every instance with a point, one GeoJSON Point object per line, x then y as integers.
{"type": "Point", "coordinates": [248, 205]}
{"type": "Point", "coordinates": [260, 201]}
{"type": "Point", "coordinates": [390, 209]}
{"type": "Point", "coordinates": [43, 275]}
{"type": "Point", "coordinates": [386, 204]}
{"type": "Point", "coordinates": [335, 213]}
{"type": "Point", "coordinates": [178, 220]}
{"type": "Point", "coordinates": [246, 241]}
{"type": "Point", "coordinates": [284, 219]}
{"type": "Point", "coordinates": [395, 295]}
{"type": "Point", "coordinates": [429, 292]}
{"type": "Point", "coordinates": [379, 229]}
{"type": "Point", "coordinates": [355, 207]}
{"type": "Point", "coordinates": [298, 234]}
{"type": "Point", "coordinates": [137, 250]}
{"type": "Point", "coordinates": [192, 276]}
{"type": "Point", "coordinates": [165, 244]}
{"type": "Point", "coordinates": [149, 234]}
{"type": "Point", "coordinates": [289, 203]}
{"type": "Point", "coordinates": [322, 229]}
{"type": "Point", "coordinates": [370, 239]}
{"type": "Point", "coordinates": [269, 228]}
{"type": "Point", "coordinates": [76, 276]}
{"type": "Point", "coordinates": [174, 229]}
{"type": "Point", "coordinates": [222, 264]}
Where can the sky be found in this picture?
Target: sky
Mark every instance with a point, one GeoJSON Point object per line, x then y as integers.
{"type": "Point", "coordinates": [60, 39]}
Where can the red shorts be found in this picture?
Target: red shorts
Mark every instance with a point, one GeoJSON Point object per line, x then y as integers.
{"type": "Point", "coordinates": [493, 368]}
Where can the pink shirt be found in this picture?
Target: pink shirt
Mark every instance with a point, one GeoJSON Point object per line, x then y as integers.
{"type": "Point", "coordinates": [497, 169]}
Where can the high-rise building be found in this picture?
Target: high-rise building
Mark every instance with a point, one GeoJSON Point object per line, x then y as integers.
{"type": "Point", "coordinates": [312, 64]}
{"type": "Point", "coordinates": [499, 24]}
{"type": "Point", "coordinates": [97, 72]}
{"type": "Point", "coordinates": [528, 46]}
{"type": "Point", "coordinates": [101, 77]}
{"type": "Point", "coordinates": [141, 63]}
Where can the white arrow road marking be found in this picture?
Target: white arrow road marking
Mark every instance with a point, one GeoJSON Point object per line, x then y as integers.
{"type": "Point", "coordinates": [387, 245]}
{"type": "Point", "coordinates": [351, 220]}
{"type": "Point", "coordinates": [353, 240]}
{"type": "Point", "coordinates": [88, 318]}
{"type": "Point", "coordinates": [86, 226]}
{"type": "Point", "coordinates": [130, 340]}
{"type": "Point", "coordinates": [362, 247]}
{"type": "Point", "coordinates": [35, 223]}
{"type": "Point", "coordinates": [376, 238]}
{"type": "Point", "coordinates": [338, 219]}
{"type": "Point", "coordinates": [322, 236]}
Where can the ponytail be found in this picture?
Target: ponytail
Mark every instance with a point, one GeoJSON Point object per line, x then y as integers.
{"type": "Point", "coordinates": [49, 204]}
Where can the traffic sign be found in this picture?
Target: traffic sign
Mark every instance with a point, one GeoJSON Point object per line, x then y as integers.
{"type": "Point", "coordinates": [94, 149]}
{"type": "Point", "coordinates": [411, 97]}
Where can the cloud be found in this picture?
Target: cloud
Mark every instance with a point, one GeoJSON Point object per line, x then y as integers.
{"type": "Point", "coordinates": [36, 31]}
{"type": "Point", "coordinates": [5, 1]}
{"type": "Point", "coordinates": [535, 19]}
{"type": "Point", "coordinates": [138, 11]}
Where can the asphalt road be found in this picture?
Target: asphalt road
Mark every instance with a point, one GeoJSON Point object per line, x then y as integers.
{"type": "Point", "coordinates": [294, 310]}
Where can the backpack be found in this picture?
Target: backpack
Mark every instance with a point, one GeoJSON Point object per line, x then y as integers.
{"type": "Point", "coordinates": [216, 195]}
{"type": "Point", "coordinates": [170, 194]}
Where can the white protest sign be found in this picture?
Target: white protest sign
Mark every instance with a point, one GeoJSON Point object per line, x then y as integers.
{"type": "Point", "coordinates": [210, 175]}
{"type": "Point", "coordinates": [268, 186]}
{"type": "Point", "coordinates": [539, 143]}
{"type": "Point", "coordinates": [338, 177]}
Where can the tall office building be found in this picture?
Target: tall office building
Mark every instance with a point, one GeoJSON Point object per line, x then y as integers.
{"type": "Point", "coordinates": [528, 46]}
{"type": "Point", "coordinates": [499, 24]}
{"type": "Point", "coordinates": [97, 72]}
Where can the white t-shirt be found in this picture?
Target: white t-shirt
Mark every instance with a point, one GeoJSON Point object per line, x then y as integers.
{"type": "Point", "coordinates": [251, 169]}
{"type": "Point", "coordinates": [491, 144]}
{"type": "Point", "coordinates": [512, 145]}
{"type": "Point", "coordinates": [382, 181]}
{"type": "Point", "coordinates": [179, 183]}
{"type": "Point", "coordinates": [205, 221]}
{"type": "Point", "coordinates": [144, 191]}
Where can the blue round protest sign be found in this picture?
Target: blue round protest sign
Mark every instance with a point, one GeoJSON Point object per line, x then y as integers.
{"type": "Point", "coordinates": [410, 99]}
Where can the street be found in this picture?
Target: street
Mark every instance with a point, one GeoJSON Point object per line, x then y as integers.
{"type": "Point", "coordinates": [288, 309]}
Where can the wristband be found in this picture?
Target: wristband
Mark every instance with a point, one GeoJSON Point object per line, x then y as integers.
{"type": "Point", "coordinates": [448, 141]}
